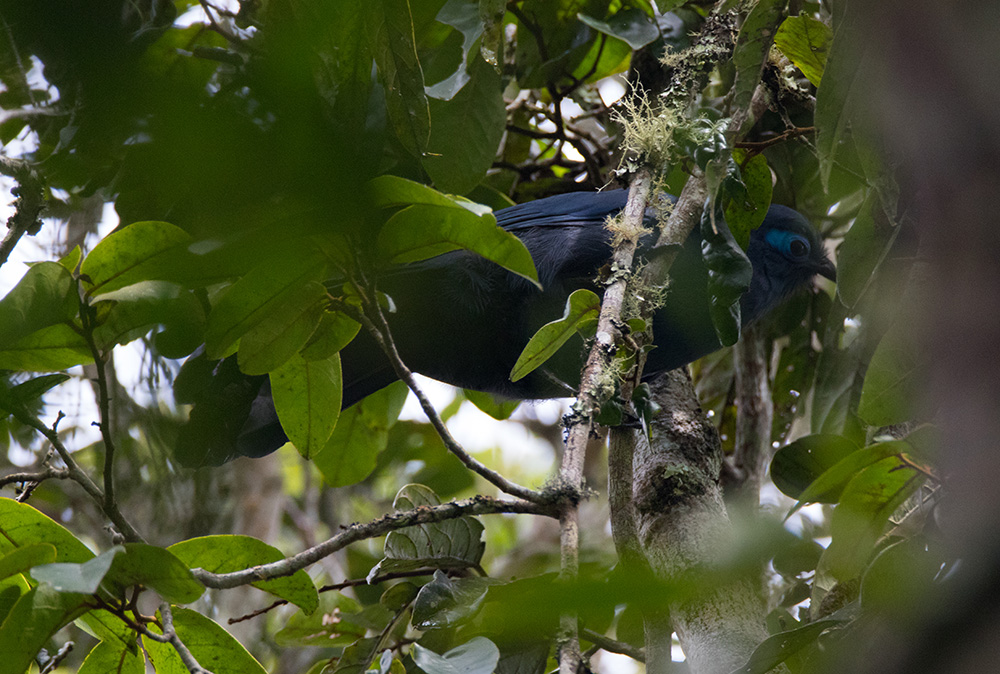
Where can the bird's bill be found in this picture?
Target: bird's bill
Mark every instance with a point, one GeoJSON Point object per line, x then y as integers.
{"type": "Point", "coordinates": [827, 270]}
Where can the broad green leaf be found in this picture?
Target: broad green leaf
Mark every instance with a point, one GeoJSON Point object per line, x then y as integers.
{"type": "Point", "coordinates": [57, 347]}
{"type": "Point", "coordinates": [212, 646]}
{"type": "Point", "coordinates": [318, 630]}
{"type": "Point", "coordinates": [729, 272]}
{"type": "Point", "coordinates": [29, 391]}
{"type": "Point", "coordinates": [75, 577]}
{"type": "Point", "coordinates": [361, 434]}
{"type": "Point", "coordinates": [865, 247]}
{"type": "Point", "coordinates": [110, 657]}
{"type": "Point", "coordinates": [34, 618]}
{"type": "Point", "coordinates": [752, 46]}
{"type": "Point", "coordinates": [21, 559]}
{"type": "Point", "coordinates": [797, 465]}
{"type": "Point", "coordinates": [887, 588]}
{"type": "Point", "coordinates": [745, 214]}
{"type": "Point", "coordinates": [419, 232]}
{"type": "Point", "coordinates": [21, 525]}
{"type": "Point", "coordinates": [479, 655]}
{"type": "Point", "coordinates": [450, 544]}
{"type": "Point", "coordinates": [892, 381]}
{"type": "Point", "coordinates": [281, 334]}
{"type": "Point", "coordinates": [806, 42]}
{"type": "Point", "coordinates": [466, 131]}
{"type": "Point", "coordinates": [465, 17]}
{"type": "Point", "coordinates": [837, 93]}
{"type": "Point", "coordinates": [390, 191]}
{"type": "Point", "coordinates": [447, 602]}
{"type": "Point", "coordinates": [632, 26]}
{"type": "Point", "coordinates": [155, 568]}
{"type": "Point", "coordinates": [164, 658]}
{"type": "Point", "coordinates": [258, 295]}
{"type": "Point", "coordinates": [499, 409]}
{"type": "Point", "coordinates": [334, 332]}
{"type": "Point", "coordinates": [43, 297]}
{"type": "Point", "coordinates": [582, 307]}
{"type": "Point", "coordinates": [828, 487]}
{"type": "Point", "coordinates": [139, 307]}
{"type": "Point", "coordinates": [776, 649]}
{"type": "Point", "coordinates": [107, 627]}
{"type": "Point", "coordinates": [391, 29]}
{"type": "Point", "coordinates": [307, 397]}
{"type": "Point", "coordinates": [225, 554]}
{"type": "Point", "coordinates": [141, 251]}
{"type": "Point", "coordinates": [858, 521]}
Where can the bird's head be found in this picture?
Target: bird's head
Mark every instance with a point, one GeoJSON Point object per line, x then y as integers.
{"type": "Point", "coordinates": [786, 252]}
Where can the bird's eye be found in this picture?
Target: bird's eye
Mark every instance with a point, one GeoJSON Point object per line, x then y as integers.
{"type": "Point", "coordinates": [798, 247]}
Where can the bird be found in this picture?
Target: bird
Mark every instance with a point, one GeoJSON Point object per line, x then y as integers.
{"type": "Point", "coordinates": [464, 320]}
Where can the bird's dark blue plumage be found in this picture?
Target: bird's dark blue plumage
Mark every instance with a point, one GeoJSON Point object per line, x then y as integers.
{"type": "Point", "coordinates": [464, 320]}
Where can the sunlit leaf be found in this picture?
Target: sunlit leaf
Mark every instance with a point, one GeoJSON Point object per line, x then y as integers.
{"type": "Point", "coordinates": [582, 307]}
{"type": "Point", "coordinates": [43, 297]}
{"type": "Point", "coordinates": [225, 554]}
{"type": "Point", "coordinates": [141, 251]}
{"type": "Point", "coordinates": [632, 26]}
{"type": "Point", "coordinates": [213, 647]}
{"type": "Point", "coordinates": [113, 657]}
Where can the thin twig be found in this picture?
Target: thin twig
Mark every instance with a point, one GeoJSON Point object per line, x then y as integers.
{"type": "Point", "coordinates": [79, 476]}
{"type": "Point", "coordinates": [53, 663]}
{"type": "Point", "coordinates": [383, 336]}
{"type": "Point", "coordinates": [336, 587]}
{"type": "Point", "coordinates": [479, 505]}
{"type": "Point", "coordinates": [613, 645]}
{"type": "Point", "coordinates": [168, 631]}
{"type": "Point", "coordinates": [35, 478]}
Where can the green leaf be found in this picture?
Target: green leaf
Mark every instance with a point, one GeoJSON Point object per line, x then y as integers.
{"type": "Point", "coordinates": [729, 272]}
{"type": "Point", "coordinates": [799, 464]}
{"type": "Point", "coordinates": [829, 486]}
{"type": "Point", "coordinates": [81, 578]}
{"type": "Point", "coordinates": [362, 433]}
{"type": "Point", "coordinates": [113, 657]}
{"type": "Point", "coordinates": [892, 381]}
{"type": "Point", "coordinates": [450, 544]}
{"type": "Point", "coordinates": [467, 18]}
{"type": "Point", "coordinates": [582, 307]}
{"type": "Point", "coordinates": [56, 347]}
{"type": "Point", "coordinates": [318, 629]}
{"type": "Point", "coordinates": [225, 554]}
{"type": "Point", "coordinates": [492, 13]}
{"type": "Point", "coordinates": [21, 525]}
{"type": "Point", "coordinates": [45, 296]}
{"type": "Point", "coordinates": [334, 332]}
{"type": "Point", "coordinates": [258, 295]}
{"type": "Point", "coordinates": [164, 658]}
{"type": "Point", "coordinates": [745, 214]}
{"type": "Point", "coordinates": [34, 618]}
{"type": "Point", "coordinates": [24, 558]}
{"type": "Point", "coordinates": [752, 45]}
{"type": "Point", "coordinates": [155, 568]}
{"type": "Point", "coordinates": [866, 504]}
{"type": "Point", "coordinates": [806, 42]}
{"type": "Point", "coordinates": [390, 191]}
{"type": "Point", "coordinates": [860, 255]}
{"type": "Point", "coordinates": [391, 29]}
{"type": "Point", "coordinates": [26, 393]}
{"type": "Point", "coordinates": [837, 93]}
{"type": "Point", "coordinates": [466, 131]}
{"type": "Point", "coordinates": [498, 408]}
{"type": "Point", "coordinates": [447, 602]}
{"type": "Point", "coordinates": [420, 232]}
{"type": "Point", "coordinates": [139, 252]}
{"type": "Point", "coordinates": [776, 649]}
{"type": "Point", "coordinates": [278, 337]}
{"type": "Point", "coordinates": [212, 646]}
{"type": "Point", "coordinates": [479, 655]}
{"type": "Point", "coordinates": [632, 26]}
{"type": "Point", "coordinates": [307, 397]}
{"type": "Point", "coordinates": [138, 307]}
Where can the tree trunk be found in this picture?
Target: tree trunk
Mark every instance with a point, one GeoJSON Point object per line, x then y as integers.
{"type": "Point", "coordinates": [669, 519]}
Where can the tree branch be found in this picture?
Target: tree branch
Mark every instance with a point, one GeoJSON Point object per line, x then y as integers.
{"type": "Point", "coordinates": [478, 505]}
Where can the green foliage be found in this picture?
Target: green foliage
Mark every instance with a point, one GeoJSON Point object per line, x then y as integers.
{"type": "Point", "coordinates": [269, 167]}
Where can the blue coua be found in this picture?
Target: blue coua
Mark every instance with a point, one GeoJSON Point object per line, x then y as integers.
{"type": "Point", "coordinates": [463, 320]}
